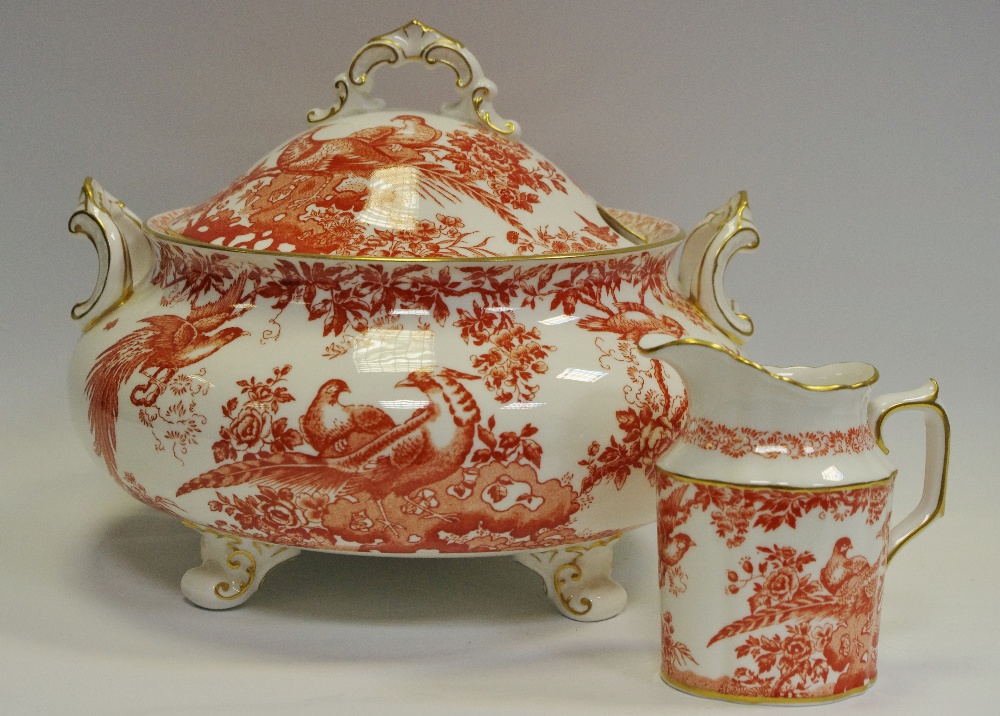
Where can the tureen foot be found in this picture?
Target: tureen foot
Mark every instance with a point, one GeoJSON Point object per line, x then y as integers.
{"type": "Point", "coordinates": [231, 569]}
{"type": "Point", "coordinates": [578, 579]}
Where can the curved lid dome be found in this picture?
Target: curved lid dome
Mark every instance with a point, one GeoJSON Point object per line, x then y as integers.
{"type": "Point", "coordinates": [401, 184]}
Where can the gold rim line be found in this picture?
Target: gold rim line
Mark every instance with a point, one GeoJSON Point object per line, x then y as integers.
{"type": "Point", "coordinates": [633, 236]}
{"type": "Point", "coordinates": [173, 237]}
{"type": "Point", "coordinates": [785, 488]}
{"type": "Point", "coordinates": [791, 701]}
{"type": "Point", "coordinates": [783, 378]}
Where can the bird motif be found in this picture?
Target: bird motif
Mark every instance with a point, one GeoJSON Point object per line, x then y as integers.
{"type": "Point", "coordinates": [157, 350]}
{"type": "Point", "coordinates": [851, 584]}
{"type": "Point", "coordinates": [427, 447]}
{"type": "Point", "coordinates": [843, 574]}
{"type": "Point", "coordinates": [672, 545]}
{"type": "Point", "coordinates": [333, 429]}
{"type": "Point", "coordinates": [361, 151]}
{"type": "Point", "coordinates": [632, 322]}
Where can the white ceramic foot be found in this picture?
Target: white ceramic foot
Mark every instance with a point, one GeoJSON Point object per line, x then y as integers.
{"type": "Point", "coordinates": [578, 579]}
{"type": "Point", "coordinates": [231, 569]}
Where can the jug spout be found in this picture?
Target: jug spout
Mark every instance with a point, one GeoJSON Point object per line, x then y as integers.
{"type": "Point", "coordinates": [124, 255]}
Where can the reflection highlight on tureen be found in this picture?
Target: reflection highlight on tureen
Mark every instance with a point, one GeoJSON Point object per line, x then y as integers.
{"type": "Point", "coordinates": [393, 200]}
{"type": "Point", "coordinates": [382, 350]}
{"type": "Point", "coordinates": [584, 376]}
{"type": "Point", "coordinates": [556, 320]}
{"type": "Point", "coordinates": [403, 404]}
{"type": "Point", "coordinates": [521, 406]}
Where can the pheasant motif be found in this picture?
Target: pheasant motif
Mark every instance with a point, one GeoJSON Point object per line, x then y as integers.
{"type": "Point", "coordinates": [333, 429]}
{"type": "Point", "coordinates": [850, 582]}
{"type": "Point", "coordinates": [361, 151]}
{"type": "Point", "coordinates": [160, 348]}
{"type": "Point", "coordinates": [846, 575]}
{"type": "Point", "coordinates": [430, 445]}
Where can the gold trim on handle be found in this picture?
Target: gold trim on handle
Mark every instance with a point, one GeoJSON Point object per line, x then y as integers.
{"type": "Point", "coordinates": [480, 95]}
{"type": "Point", "coordinates": [419, 42]}
{"type": "Point", "coordinates": [94, 208]}
{"type": "Point", "coordinates": [929, 403]}
{"type": "Point", "coordinates": [735, 211]}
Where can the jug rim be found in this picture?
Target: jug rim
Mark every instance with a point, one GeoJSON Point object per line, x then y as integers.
{"type": "Point", "coordinates": [792, 375]}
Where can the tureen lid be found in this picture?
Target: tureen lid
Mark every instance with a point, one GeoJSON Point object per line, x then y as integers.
{"type": "Point", "coordinates": [369, 182]}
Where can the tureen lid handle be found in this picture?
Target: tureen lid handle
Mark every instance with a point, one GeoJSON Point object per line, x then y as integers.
{"type": "Point", "coordinates": [417, 41]}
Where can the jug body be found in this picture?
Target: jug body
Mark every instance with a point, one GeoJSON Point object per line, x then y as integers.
{"type": "Point", "coordinates": [779, 598]}
{"type": "Point", "coordinates": [773, 518]}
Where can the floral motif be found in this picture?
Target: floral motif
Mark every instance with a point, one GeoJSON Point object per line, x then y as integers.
{"type": "Point", "coordinates": [451, 498]}
{"type": "Point", "coordinates": [179, 423]}
{"type": "Point", "coordinates": [253, 425]}
{"type": "Point", "coordinates": [827, 613]}
{"type": "Point", "coordinates": [733, 511]}
{"type": "Point", "coordinates": [509, 366]}
{"type": "Point", "coordinates": [741, 441]}
{"type": "Point", "coordinates": [490, 488]}
{"type": "Point", "coordinates": [128, 483]}
{"type": "Point", "coordinates": [648, 425]}
{"type": "Point", "coordinates": [675, 654]}
{"type": "Point", "coordinates": [312, 195]}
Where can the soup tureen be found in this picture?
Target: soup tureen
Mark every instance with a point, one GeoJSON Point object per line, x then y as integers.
{"type": "Point", "coordinates": [399, 333]}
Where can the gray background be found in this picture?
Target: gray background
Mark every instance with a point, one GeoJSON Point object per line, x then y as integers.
{"type": "Point", "coordinates": [867, 136]}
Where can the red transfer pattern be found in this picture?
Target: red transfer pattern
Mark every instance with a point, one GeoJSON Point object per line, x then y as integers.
{"type": "Point", "coordinates": [828, 614]}
{"type": "Point", "coordinates": [741, 441]}
{"type": "Point", "coordinates": [311, 197]}
{"type": "Point", "coordinates": [331, 475]}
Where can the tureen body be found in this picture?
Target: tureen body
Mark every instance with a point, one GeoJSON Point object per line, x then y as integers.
{"type": "Point", "coordinates": [398, 333]}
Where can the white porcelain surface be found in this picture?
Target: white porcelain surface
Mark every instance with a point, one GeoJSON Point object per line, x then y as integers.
{"type": "Point", "coordinates": [774, 525]}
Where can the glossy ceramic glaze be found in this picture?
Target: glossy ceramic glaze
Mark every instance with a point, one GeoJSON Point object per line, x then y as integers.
{"type": "Point", "coordinates": [398, 333]}
{"type": "Point", "coordinates": [773, 526]}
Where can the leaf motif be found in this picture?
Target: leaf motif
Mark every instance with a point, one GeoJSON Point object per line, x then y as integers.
{"type": "Point", "coordinates": [532, 452]}
{"type": "Point", "coordinates": [486, 437]}
{"type": "Point", "coordinates": [801, 607]}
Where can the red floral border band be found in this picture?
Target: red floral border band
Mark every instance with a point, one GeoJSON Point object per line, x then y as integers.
{"type": "Point", "coordinates": [741, 441]}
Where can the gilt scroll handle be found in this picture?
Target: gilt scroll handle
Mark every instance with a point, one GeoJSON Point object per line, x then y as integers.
{"type": "Point", "coordinates": [416, 41]}
{"type": "Point", "coordinates": [124, 256]}
{"type": "Point", "coordinates": [703, 261]}
{"type": "Point", "coordinates": [938, 447]}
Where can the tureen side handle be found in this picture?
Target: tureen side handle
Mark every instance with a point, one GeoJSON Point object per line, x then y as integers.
{"type": "Point", "coordinates": [705, 255]}
{"type": "Point", "coordinates": [417, 41]}
{"type": "Point", "coordinates": [124, 256]}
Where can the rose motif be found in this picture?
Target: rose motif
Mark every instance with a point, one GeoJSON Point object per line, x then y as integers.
{"type": "Point", "coordinates": [278, 510]}
{"type": "Point", "coordinates": [781, 584]}
{"type": "Point", "coordinates": [247, 429]}
{"type": "Point", "coordinates": [798, 647]}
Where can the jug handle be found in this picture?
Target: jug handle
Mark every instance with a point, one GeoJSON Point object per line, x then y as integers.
{"type": "Point", "coordinates": [938, 440]}
{"type": "Point", "coordinates": [417, 41]}
{"type": "Point", "coordinates": [124, 256]}
{"type": "Point", "coordinates": [704, 257]}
